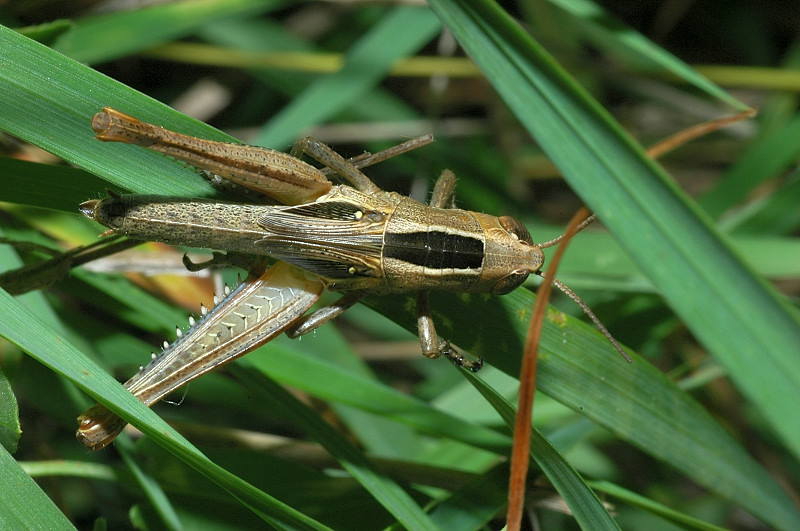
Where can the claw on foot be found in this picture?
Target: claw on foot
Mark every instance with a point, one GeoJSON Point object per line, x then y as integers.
{"type": "Point", "coordinates": [459, 360]}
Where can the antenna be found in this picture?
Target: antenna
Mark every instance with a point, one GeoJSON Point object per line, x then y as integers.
{"type": "Point", "coordinates": [589, 313]}
{"type": "Point", "coordinates": [574, 296]}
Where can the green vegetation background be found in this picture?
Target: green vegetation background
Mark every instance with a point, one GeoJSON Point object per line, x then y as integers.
{"type": "Point", "coordinates": [700, 431]}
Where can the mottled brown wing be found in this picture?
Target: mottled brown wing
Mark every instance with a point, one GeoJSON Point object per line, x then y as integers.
{"type": "Point", "coordinates": [333, 239]}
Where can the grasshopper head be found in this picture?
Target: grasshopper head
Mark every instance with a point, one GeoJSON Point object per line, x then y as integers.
{"type": "Point", "coordinates": [87, 208]}
{"type": "Point", "coordinates": [105, 211]}
{"type": "Point", "coordinates": [510, 256]}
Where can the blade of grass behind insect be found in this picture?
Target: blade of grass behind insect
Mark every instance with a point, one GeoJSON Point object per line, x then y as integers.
{"type": "Point", "coordinates": [634, 49]}
{"type": "Point", "coordinates": [36, 302]}
{"type": "Point", "coordinates": [584, 504]}
{"type": "Point", "coordinates": [585, 392]}
{"type": "Point", "coordinates": [155, 494]}
{"type": "Point", "coordinates": [692, 265]}
{"type": "Point", "coordinates": [125, 32]}
{"type": "Point", "coordinates": [775, 214]}
{"type": "Point", "coordinates": [9, 416]}
{"type": "Point", "coordinates": [69, 94]}
{"type": "Point", "coordinates": [264, 36]}
{"type": "Point", "coordinates": [769, 154]}
{"type": "Point", "coordinates": [131, 303]}
{"type": "Point", "coordinates": [475, 504]}
{"type": "Point", "coordinates": [31, 183]}
{"type": "Point", "coordinates": [23, 504]}
{"type": "Point", "coordinates": [579, 368]}
{"type": "Point", "coordinates": [328, 381]}
{"type": "Point", "coordinates": [596, 262]}
{"type": "Point", "coordinates": [665, 512]}
{"type": "Point", "coordinates": [48, 100]}
{"type": "Point", "coordinates": [26, 331]}
{"type": "Point", "coordinates": [765, 158]}
{"type": "Point", "coordinates": [400, 33]}
{"type": "Point", "coordinates": [388, 493]}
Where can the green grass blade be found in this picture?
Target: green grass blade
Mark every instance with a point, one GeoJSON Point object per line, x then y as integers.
{"type": "Point", "coordinates": [69, 117]}
{"type": "Point", "coordinates": [475, 504]}
{"type": "Point", "coordinates": [328, 380]}
{"type": "Point", "coordinates": [579, 368]}
{"type": "Point", "coordinates": [766, 158]}
{"type": "Point", "coordinates": [680, 519]}
{"type": "Point", "coordinates": [26, 331]}
{"type": "Point", "coordinates": [9, 416]}
{"type": "Point", "coordinates": [155, 494]}
{"type": "Point", "coordinates": [23, 504]}
{"type": "Point", "coordinates": [393, 498]}
{"type": "Point", "coordinates": [253, 36]}
{"type": "Point", "coordinates": [399, 34]}
{"type": "Point", "coordinates": [584, 504]}
{"type": "Point", "coordinates": [49, 100]}
{"type": "Point", "coordinates": [693, 266]}
{"type": "Point", "coordinates": [776, 214]}
{"type": "Point", "coordinates": [44, 185]}
{"type": "Point", "coordinates": [633, 49]}
{"type": "Point", "coordinates": [129, 31]}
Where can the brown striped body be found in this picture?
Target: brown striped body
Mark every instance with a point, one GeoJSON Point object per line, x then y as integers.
{"type": "Point", "coordinates": [383, 242]}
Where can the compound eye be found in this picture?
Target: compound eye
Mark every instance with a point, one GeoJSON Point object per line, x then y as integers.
{"type": "Point", "coordinates": [516, 229]}
{"type": "Point", "coordinates": [509, 283]}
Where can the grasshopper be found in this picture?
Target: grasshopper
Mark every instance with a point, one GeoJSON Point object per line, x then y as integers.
{"type": "Point", "coordinates": [351, 237]}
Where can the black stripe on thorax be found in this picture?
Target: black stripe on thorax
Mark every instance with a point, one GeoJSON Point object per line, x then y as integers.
{"type": "Point", "coordinates": [435, 249]}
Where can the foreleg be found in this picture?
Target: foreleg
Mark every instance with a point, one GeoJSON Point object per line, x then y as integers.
{"type": "Point", "coordinates": [432, 345]}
